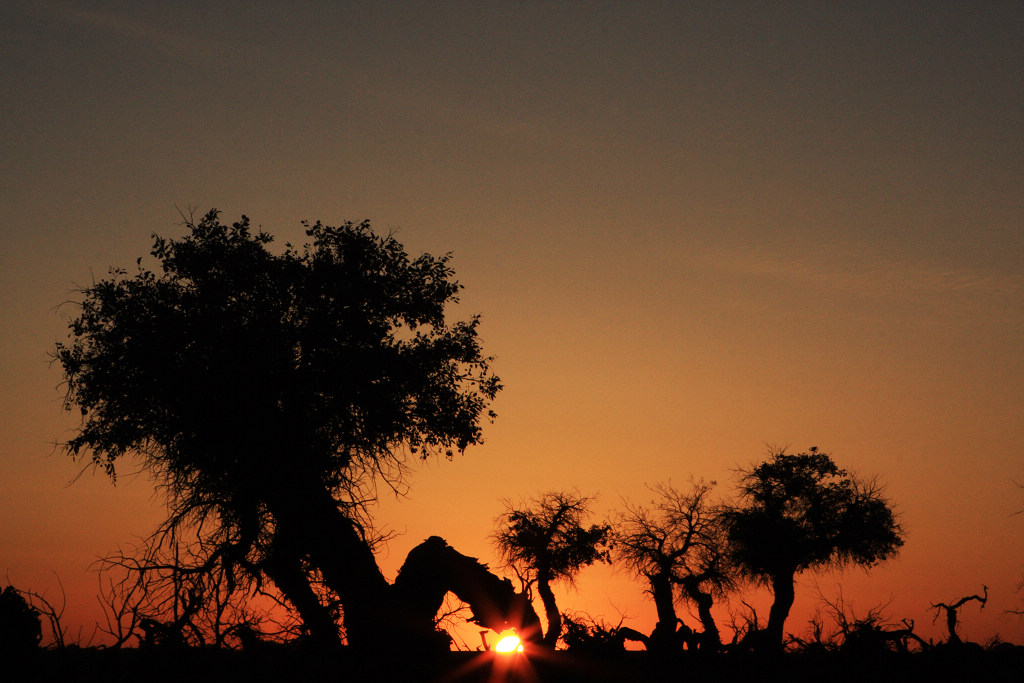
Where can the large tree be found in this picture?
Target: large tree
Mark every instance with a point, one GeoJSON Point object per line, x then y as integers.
{"type": "Point", "coordinates": [677, 543]}
{"type": "Point", "coordinates": [546, 540]}
{"type": "Point", "coordinates": [268, 392]}
{"type": "Point", "coordinates": [801, 512]}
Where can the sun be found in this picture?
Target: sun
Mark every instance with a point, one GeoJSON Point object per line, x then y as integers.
{"type": "Point", "coordinates": [509, 643]}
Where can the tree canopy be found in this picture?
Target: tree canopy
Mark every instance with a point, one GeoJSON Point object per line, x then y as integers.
{"type": "Point", "coordinates": [268, 392]}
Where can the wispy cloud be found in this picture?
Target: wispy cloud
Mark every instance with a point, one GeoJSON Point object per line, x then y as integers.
{"type": "Point", "coordinates": [867, 274]}
{"type": "Point", "coordinates": [131, 27]}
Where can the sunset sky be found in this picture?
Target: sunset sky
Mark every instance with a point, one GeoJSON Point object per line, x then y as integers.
{"type": "Point", "coordinates": [694, 230]}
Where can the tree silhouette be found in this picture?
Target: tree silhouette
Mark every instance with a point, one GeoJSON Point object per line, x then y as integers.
{"type": "Point", "coordinates": [678, 542]}
{"type": "Point", "coordinates": [544, 541]}
{"type": "Point", "coordinates": [268, 393]}
{"type": "Point", "coordinates": [951, 610]}
{"type": "Point", "coordinates": [800, 512]}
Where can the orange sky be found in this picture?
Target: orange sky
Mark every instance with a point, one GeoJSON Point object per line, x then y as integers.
{"type": "Point", "coordinates": [692, 230]}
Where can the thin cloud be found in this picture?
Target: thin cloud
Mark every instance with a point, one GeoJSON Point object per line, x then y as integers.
{"type": "Point", "coordinates": [122, 26]}
{"type": "Point", "coordinates": [867, 275]}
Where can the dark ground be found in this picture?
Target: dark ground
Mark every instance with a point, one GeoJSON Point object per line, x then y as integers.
{"type": "Point", "coordinates": [197, 666]}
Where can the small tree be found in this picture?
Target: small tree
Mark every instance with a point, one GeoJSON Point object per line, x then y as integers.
{"type": "Point", "coordinates": [544, 540]}
{"type": "Point", "coordinates": [678, 545]}
{"type": "Point", "coordinates": [951, 610]}
{"type": "Point", "coordinates": [800, 512]}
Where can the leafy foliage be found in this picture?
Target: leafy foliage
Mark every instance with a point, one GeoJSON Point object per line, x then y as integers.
{"type": "Point", "coordinates": [339, 350]}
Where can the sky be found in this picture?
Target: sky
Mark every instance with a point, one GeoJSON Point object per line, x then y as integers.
{"type": "Point", "coordinates": [695, 231]}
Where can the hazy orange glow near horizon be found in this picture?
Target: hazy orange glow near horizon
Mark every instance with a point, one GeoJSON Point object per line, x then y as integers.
{"type": "Point", "coordinates": [693, 230]}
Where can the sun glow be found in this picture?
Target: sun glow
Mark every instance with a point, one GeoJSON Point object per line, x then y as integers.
{"type": "Point", "coordinates": [509, 643]}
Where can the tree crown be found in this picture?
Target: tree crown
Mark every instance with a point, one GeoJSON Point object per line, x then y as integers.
{"type": "Point", "coordinates": [680, 536]}
{"type": "Point", "coordinates": [801, 511]}
{"type": "Point", "coordinates": [547, 536]}
{"type": "Point", "coordinates": [230, 367]}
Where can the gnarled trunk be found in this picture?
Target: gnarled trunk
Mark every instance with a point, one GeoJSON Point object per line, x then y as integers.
{"type": "Point", "coordinates": [783, 589]}
{"type": "Point", "coordinates": [710, 639]}
{"type": "Point", "coordinates": [434, 568]}
{"type": "Point", "coordinates": [287, 573]}
{"type": "Point", "coordinates": [554, 617]}
{"type": "Point", "coordinates": [664, 637]}
{"type": "Point", "coordinates": [312, 527]}
{"type": "Point", "coordinates": [378, 614]}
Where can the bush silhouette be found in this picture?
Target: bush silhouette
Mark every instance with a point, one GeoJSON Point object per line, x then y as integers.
{"type": "Point", "coordinates": [20, 626]}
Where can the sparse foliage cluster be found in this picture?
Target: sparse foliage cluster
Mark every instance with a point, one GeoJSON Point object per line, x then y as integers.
{"type": "Point", "coordinates": [677, 544]}
{"type": "Point", "coordinates": [545, 540]}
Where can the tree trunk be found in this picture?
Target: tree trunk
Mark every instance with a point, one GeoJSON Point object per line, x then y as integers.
{"type": "Point", "coordinates": [663, 637]}
{"type": "Point", "coordinates": [554, 617]}
{"type": "Point", "coordinates": [710, 640]}
{"type": "Point", "coordinates": [783, 589]}
{"type": "Point", "coordinates": [433, 568]}
{"type": "Point", "coordinates": [288, 575]}
{"type": "Point", "coordinates": [313, 527]}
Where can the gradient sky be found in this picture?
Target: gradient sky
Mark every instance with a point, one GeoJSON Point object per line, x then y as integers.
{"type": "Point", "coordinates": [693, 230]}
